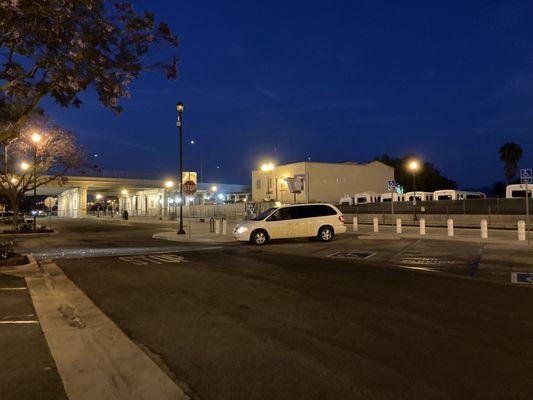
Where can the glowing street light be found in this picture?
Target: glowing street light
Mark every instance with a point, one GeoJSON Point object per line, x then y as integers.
{"type": "Point", "coordinates": [413, 166]}
{"type": "Point", "coordinates": [14, 181]}
{"type": "Point", "coordinates": [169, 184]}
{"type": "Point", "coordinates": [124, 192]}
{"type": "Point", "coordinates": [214, 188]}
{"type": "Point", "coordinates": [36, 137]}
{"type": "Point", "coordinates": [267, 167]}
{"type": "Point", "coordinates": [24, 166]}
{"type": "Point", "coordinates": [98, 196]}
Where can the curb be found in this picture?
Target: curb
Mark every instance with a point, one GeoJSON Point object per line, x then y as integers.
{"type": "Point", "coordinates": [24, 270]}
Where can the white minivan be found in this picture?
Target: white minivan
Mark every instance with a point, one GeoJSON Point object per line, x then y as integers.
{"type": "Point", "coordinates": [319, 220]}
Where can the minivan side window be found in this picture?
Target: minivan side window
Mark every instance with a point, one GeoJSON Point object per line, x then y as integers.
{"type": "Point", "coordinates": [312, 211]}
{"type": "Point", "coordinates": [281, 215]}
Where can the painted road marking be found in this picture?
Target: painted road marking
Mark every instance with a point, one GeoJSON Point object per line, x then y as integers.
{"type": "Point", "coordinates": [428, 261]}
{"type": "Point", "coordinates": [522, 277]}
{"type": "Point", "coordinates": [13, 288]}
{"type": "Point", "coordinates": [18, 322]}
{"type": "Point", "coordinates": [352, 254]}
{"type": "Point", "coordinates": [153, 259]}
{"type": "Point", "coordinates": [417, 268]}
{"type": "Point", "coordinates": [114, 251]}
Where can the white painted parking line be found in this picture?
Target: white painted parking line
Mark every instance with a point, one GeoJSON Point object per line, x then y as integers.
{"type": "Point", "coordinates": [417, 268]}
{"type": "Point", "coordinates": [13, 288]}
{"type": "Point", "coordinates": [18, 322]}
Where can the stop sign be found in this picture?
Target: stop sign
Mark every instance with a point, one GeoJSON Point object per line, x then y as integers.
{"type": "Point", "coordinates": [189, 188]}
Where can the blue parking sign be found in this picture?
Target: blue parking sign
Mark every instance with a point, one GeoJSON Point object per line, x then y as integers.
{"type": "Point", "coordinates": [526, 175]}
{"type": "Point", "coordinates": [391, 185]}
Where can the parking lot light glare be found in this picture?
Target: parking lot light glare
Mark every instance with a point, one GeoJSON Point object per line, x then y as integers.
{"type": "Point", "coordinates": [24, 166]}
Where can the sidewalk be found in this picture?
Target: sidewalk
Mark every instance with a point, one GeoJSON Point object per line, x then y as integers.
{"type": "Point", "coordinates": [197, 232]}
{"type": "Point", "coordinates": [388, 232]}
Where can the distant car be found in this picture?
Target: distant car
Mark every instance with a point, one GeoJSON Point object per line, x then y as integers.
{"type": "Point", "coordinates": [319, 220]}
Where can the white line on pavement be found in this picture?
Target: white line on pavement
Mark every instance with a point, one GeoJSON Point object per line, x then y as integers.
{"type": "Point", "coordinates": [19, 322]}
{"type": "Point", "coordinates": [13, 288]}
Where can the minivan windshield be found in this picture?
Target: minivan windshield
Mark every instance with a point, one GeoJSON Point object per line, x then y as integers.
{"type": "Point", "coordinates": [264, 214]}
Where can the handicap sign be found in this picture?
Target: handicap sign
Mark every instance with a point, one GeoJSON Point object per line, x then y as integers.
{"type": "Point", "coordinates": [391, 185]}
{"type": "Point", "coordinates": [526, 175]}
{"type": "Point", "coordinates": [522, 277]}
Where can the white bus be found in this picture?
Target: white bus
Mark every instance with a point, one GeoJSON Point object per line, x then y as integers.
{"type": "Point", "coordinates": [518, 190]}
{"type": "Point", "coordinates": [420, 196]}
{"type": "Point", "coordinates": [392, 196]}
{"type": "Point", "coordinates": [366, 197]}
{"type": "Point", "coordinates": [347, 200]}
{"type": "Point", "coordinates": [457, 195]}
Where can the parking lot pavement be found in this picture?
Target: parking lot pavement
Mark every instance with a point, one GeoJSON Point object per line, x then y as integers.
{"type": "Point", "coordinates": [28, 370]}
{"type": "Point", "coordinates": [470, 259]}
{"type": "Point", "coordinates": [243, 322]}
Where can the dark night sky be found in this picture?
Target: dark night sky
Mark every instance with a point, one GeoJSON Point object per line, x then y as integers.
{"type": "Point", "coordinates": [334, 81]}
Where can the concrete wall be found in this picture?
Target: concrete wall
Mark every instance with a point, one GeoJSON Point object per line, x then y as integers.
{"type": "Point", "coordinates": [72, 203]}
{"type": "Point", "coordinates": [328, 182]}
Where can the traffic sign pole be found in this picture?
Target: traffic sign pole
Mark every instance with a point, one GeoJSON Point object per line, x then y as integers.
{"type": "Point", "coordinates": [527, 215]}
{"type": "Point", "coordinates": [526, 177]}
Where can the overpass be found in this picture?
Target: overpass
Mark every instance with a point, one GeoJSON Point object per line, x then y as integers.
{"type": "Point", "coordinates": [145, 196]}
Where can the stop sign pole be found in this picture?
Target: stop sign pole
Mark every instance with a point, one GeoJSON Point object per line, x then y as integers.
{"type": "Point", "coordinates": [179, 122]}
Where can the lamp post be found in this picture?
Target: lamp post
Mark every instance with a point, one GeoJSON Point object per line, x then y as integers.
{"type": "Point", "coordinates": [413, 166]}
{"type": "Point", "coordinates": [35, 138]}
{"type": "Point", "coordinates": [267, 168]}
{"type": "Point", "coordinates": [179, 122]}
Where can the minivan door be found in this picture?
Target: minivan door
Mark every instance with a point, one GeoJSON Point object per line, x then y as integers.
{"type": "Point", "coordinates": [280, 225]}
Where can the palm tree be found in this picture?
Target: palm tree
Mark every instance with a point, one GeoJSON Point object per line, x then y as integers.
{"type": "Point", "coordinates": [510, 154]}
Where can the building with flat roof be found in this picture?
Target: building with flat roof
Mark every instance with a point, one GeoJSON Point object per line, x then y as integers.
{"type": "Point", "coordinates": [321, 181]}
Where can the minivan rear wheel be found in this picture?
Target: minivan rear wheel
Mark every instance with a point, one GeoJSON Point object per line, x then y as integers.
{"type": "Point", "coordinates": [259, 237]}
{"type": "Point", "coordinates": [325, 233]}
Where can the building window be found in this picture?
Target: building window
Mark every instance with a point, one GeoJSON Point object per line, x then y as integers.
{"type": "Point", "coordinates": [258, 184]}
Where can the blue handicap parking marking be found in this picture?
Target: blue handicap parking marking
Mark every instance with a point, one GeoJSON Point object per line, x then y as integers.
{"type": "Point", "coordinates": [522, 277]}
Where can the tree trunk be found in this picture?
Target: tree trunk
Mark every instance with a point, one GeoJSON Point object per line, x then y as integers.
{"type": "Point", "coordinates": [15, 206]}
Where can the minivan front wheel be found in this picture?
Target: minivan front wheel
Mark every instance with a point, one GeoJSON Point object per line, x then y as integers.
{"type": "Point", "coordinates": [325, 233]}
{"type": "Point", "coordinates": [259, 237]}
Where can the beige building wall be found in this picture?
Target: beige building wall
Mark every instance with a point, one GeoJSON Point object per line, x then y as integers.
{"type": "Point", "coordinates": [325, 182]}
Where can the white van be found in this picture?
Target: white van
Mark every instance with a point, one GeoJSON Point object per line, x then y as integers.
{"type": "Point", "coordinates": [319, 220]}
{"type": "Point", "coordinates": [457, 195]}
{"type": "Point", "coordinates": [518, 190]}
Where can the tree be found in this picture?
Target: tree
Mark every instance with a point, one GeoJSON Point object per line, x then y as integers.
{"type": "Point", "coordinates": [428, 178]}
{"type": "Point", "coordinates": [29, 163]}
{"type": "Point", "coordinates": [59, 48]}
{"type": "Point", "coordinates": [498, 189]}
{"type": "Point", "coordinates": [510, 153]}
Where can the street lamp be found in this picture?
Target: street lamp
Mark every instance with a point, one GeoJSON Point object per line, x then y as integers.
{"type": "Point", "coordinates": [413, 166]}
{"type": "Point", "coordinates": [267, 168]}
{"type": "Point", "coordinates": [24, 166]}
{"type": "Point", "coordinates": [214, 188]}
{"type": "Point", "coordinates": [179, 123]}
{"type": "Point", "coordinates": [35, 138]}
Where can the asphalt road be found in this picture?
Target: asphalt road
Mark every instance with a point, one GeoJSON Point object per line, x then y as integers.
{"type": "Point", "coordinates": [288, 322]}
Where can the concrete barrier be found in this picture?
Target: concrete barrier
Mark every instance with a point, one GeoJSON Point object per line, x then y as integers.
{"type": "Point", "coordinates": [422, 226]}
{"type": "Point", "coordinates": [484, 229]}
{"type": "Point", "coordinates": [355, 224]}
{"type": "Point", "coordinates": [376, 225]}
{"type": "Point", "coordinates": [398, 225]}
{"type": "Point", "coordinates": [217, 226]}
{"type": "Point", "coordinates": [449, 224]}
{"type": "Point", "coordinates": [521, 230]}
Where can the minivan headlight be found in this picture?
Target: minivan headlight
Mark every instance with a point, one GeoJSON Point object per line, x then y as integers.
{"type": "Point", "coordinates": [242, 229]}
